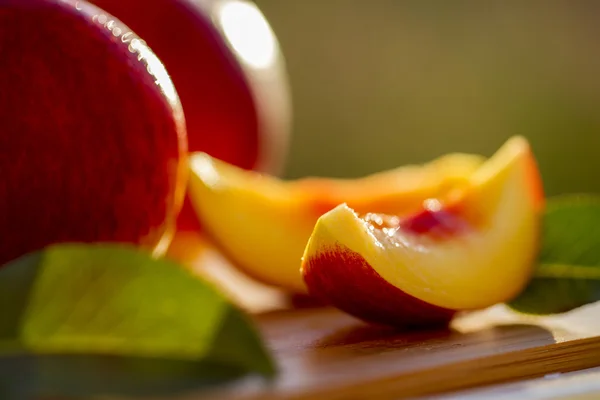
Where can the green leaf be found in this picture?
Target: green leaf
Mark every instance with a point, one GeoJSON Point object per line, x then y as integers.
{"type": "Point", "coordinates": [568, 271]}
{"type": "Point", "coordinates": [110, 319]}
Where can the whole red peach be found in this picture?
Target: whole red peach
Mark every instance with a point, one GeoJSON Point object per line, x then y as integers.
{"type": "Point", "coordinates": [92, 138]}
{"type": "Point", "coordinates": [228, 70]}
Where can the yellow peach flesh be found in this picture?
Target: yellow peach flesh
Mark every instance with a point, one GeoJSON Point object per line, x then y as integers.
{"type": "Point", "coordinates": [475, 269]}
{"type": "Point", "coordinates": [263, 223]}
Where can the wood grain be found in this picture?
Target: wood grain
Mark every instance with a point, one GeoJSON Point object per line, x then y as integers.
{"type": "Point", "coordinates": [324, 354]}
{"type": "Point", "coordinates": [579, 385]}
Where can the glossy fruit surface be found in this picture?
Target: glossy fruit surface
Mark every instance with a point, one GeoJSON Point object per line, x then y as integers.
{"type": "Point", "coordinates": [229, 72]}
{"type": "Point", "coordinates": [93, 141]}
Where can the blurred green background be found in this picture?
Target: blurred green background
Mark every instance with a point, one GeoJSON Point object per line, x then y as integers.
{"type": "Point", "coordinates": [381, 83]}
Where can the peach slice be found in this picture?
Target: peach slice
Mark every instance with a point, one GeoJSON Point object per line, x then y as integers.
{"type": "Point", "coordinates": [263, 223]}
{"type": "Point", "coordinates": [469, 251]}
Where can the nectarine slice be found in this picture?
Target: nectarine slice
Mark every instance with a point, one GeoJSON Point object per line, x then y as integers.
{"type": "Point", "coordinates": [92, 137]}
{"type": "Point", "coordinates": [469, 251]}
{"type": "Point", "coordinates": [263, 223]}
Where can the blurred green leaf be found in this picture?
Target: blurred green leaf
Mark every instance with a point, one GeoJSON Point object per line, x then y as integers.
{"type": "Point", "coordinates": [568, 273]}
{"type": "Point", "coordinates": [110, 319]}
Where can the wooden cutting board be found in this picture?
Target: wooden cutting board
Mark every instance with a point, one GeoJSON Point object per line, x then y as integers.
{"type": "Point", "coordinates": [578, 385]}
{"type": "Point", "coordinates": [325, 354]}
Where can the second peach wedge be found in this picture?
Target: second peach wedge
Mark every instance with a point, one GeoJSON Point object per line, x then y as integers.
{"type": "Point", "coordinates": [263, 223]}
